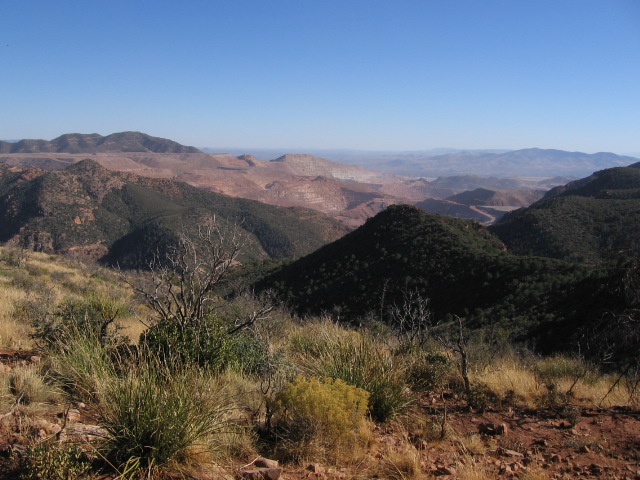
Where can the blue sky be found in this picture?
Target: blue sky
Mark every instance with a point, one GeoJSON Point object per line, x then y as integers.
{"type": "Point", "coordinates": [373, 75]}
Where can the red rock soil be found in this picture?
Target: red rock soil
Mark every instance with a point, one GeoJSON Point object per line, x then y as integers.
{"type": "Point", "coordinates": [603, 443]}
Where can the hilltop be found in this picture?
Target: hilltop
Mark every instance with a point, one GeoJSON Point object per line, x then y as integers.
{"type": "Point", "coordinates": [589, 220]}
{"type": "Point", "coordinates": [86, 209]}
{"type": "Point", "coordinates": [74, 143]}
{"type": "Point", "coordinates": [461, 268]}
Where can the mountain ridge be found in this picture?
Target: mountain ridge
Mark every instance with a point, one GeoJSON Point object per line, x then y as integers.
{"type": "Point", "coordinates": [74, 143]}
{"type": "Point", "coordinates": [87, 209]}
{"type": "Point", "coordinates": [589, 220]}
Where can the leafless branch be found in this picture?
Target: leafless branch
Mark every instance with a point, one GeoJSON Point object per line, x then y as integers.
{"type": "Point", "coordinates": [182, 280]}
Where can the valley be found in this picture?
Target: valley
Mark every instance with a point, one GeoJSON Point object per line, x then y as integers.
{"type": "Point", "coordinates": [465, 327]}
{"type": "Point", "coordinates": [349, 193]}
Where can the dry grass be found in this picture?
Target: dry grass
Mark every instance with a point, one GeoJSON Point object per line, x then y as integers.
{"type": "Point", "coordinates": [527, 385]}
{"type": "Point", "coordinates": [13, 332]}
{"type": "Point", "coordinates": [533, 474]}
{"type": "Point", "coordinates": [28, 386]}
{"type": "Point", "coordinates": [401, 464]}
{"type": "Point", "coordinates": [314, 337]}
{"type": "Point", "coordinates": [131, 327]}
{"type": "Point", "coordinates": [470, 444]}
{"type": "Point", "coordinates": [468, 469]}
{"type": "Point", "coordinates": [41, 282]}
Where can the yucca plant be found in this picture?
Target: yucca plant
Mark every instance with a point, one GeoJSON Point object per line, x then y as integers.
{"type": "Point", "coordinates": [160, 418]}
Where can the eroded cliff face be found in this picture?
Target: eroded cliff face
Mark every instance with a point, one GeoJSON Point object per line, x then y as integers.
{"type": "Point", "coordinates": [308, 165]}
{"type": "Point", "coordinates": [349, 193]}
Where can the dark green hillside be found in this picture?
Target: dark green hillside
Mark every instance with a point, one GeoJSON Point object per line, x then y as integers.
{"type": "Point", "coordinates": [621, 182]}
{"type": "Point", "coordinates": [401, 247]}
{"type": "Point", "coordinates": [458, 265]}
{"type": "Point", "coordinates": [125, 218]}
{"type": "Point", "coordinates": [590, 220]}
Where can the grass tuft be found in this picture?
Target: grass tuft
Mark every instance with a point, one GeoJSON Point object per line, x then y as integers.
{"type": "Point", "coordinates": [157, 418]}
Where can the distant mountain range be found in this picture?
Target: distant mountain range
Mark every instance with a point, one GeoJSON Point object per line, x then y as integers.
{"type": "Point", "coordinates": [348, 192]}
{"type": "Point", "coordinates": [94, 143]}
{"type": "Point", "coordinates": [530, 162]}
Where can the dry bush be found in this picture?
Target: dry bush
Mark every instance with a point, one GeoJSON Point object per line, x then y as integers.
{"type": "Point", "coordinates": [401, 464]}
{"type": "Point", "coordinates": [315, 418]}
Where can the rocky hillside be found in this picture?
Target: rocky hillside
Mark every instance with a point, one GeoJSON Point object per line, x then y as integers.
{"type": "Point", "coordinates": [87, 209]}
{"type": "Point", "coordinates": [498, 198]}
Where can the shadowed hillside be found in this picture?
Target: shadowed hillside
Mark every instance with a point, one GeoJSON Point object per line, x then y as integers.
{"type": "Point", "coordinates": [459, 266]}
{"type": "Point", "coordinates": [589, 220]}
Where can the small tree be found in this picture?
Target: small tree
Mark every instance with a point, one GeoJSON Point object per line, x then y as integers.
{"type": "Point", "coordinates": [181, 293]}
{"type": "Point", "coordinates": [182, 279]}
{"type": "Point", "coordinates": [412, 319]}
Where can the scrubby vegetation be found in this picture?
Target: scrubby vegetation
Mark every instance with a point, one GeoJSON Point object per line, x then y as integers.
{"type": "Point", "coordinates": [156, 375]}
{"type": "Point", "coordinates": [464, 272]}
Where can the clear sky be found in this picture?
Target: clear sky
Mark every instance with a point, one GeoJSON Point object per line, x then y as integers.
{"type": "Point", "coordinates": [363, 74]}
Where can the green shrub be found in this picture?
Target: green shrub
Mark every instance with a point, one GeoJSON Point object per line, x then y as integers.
{"type": "Point", "coordinates": [552, 398]}
{"type": "Point", "coordinates": [205, 343]}
{"type": "Point", "coordinates": [35, 307]}
{"type": "Point", "coordinates": [430, 372]}
{"type": "Point", "coordinates": [481, 397]}
{"type": "Point", "coordinates": [89, 317]}
{"type": "Point", "coordinates": [158, 417]}
{"type": "Point", "coordinates": [557, 403]}
{"type": "Point", "coordinates": [53, 461]}
{"type": "Point", "coordinates": [315, 416]}
{"type": "Point", "coordinates": [251, 353]}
